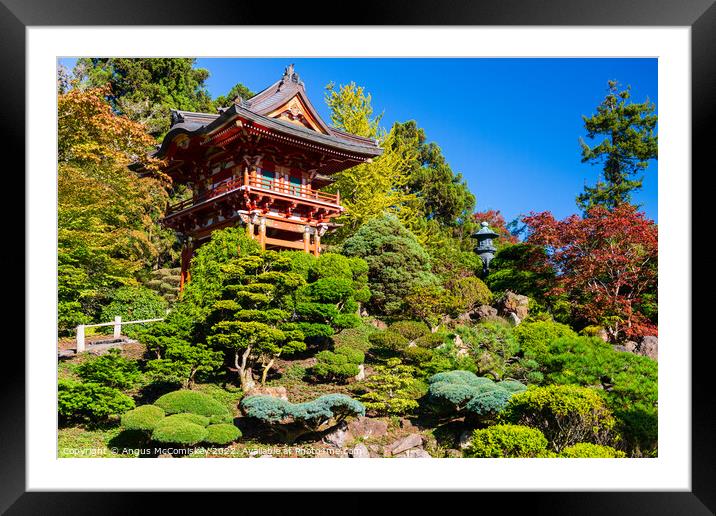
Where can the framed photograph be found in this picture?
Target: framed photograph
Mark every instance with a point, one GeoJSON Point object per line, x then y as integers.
{"type": "Point", "coordinates": [436, 238]}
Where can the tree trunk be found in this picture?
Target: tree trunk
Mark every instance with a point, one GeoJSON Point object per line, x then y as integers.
{"type": "Point", "coordinates": [265, 372]}
{"type": "Point", "coordinates": [245, 377]}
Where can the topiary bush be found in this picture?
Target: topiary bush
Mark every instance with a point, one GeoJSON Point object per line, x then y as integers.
{"type": "Point", "coordinates": [144, 417]}
{"type": "Point", "coordinates": [179, 432]}
{"type": "Point", "coordinates": [467, 293]}
{"type": "Point", "coordinates": [507, 441]}
{"type": "Point", "coordinates": [89, 402]}
{"type": "Point", "coordinates": [337, 366]}
{"type": "Point", "coordinates": [222, 434]}
{"type": "Point", "coordinates": [591, 451]}
{"type": "Point", "coordinates": [431, 340]}
{"type": "Point", "coordinates": [192, 402]}
{"type": "Point", "coordinates": [293, 420]}
{"type": "Point", "coordinates": [535, 337]}
{"type": "Point", "coordinates": [186, 417]}
{"type": "Point", "coordinates": [110, 369]}
{"type": "Point", "coordinates": [411, 330]}
{"type": "Point", "coordinates": [566, 414]}
{"type": "Point", "coordinates": [387, 342]}
{"type": "Point", "coordinates": [464, 394]}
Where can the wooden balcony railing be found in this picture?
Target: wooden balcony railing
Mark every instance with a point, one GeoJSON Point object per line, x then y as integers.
{"type": "Point", "coordinates": [293, 190]}
{"type": "Point", "coordinates": [263, 183]}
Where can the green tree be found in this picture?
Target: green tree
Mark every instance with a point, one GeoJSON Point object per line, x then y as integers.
{"type": "Point", "coordinates": [392, 389]}
{"type": "Point", "coordinates": [628, 145]}
{"type": "Point", "coordinates": [238, 90]}
{"type": "Point", "coordinates": [397, 263]}
{"type": "Point", "coordinates": [252, 320]}
{"type": "Point", "coordinates": [107, 216]}
{"type": "Point", "coordinates": [146, 89]}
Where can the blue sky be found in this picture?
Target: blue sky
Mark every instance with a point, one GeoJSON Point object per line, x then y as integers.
{"type": "Point", "coordinates": [510, 126]}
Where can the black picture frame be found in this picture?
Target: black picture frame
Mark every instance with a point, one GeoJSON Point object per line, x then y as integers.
{"type": "Point", "coordinates": [16, 15]}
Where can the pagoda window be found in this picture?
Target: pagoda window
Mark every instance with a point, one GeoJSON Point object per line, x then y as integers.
{"type": "Point", "coordinates": [267, 178]}
{"type": "Point", "coordinates": [296, 183]}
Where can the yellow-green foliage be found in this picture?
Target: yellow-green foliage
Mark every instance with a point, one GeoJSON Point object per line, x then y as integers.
{"type": "Point", "coordinates": [222, 433]}
{"type": "Point", "coordinates": [566, 414]}
{"type": "Point", "coordinates": [535, 337]}
{"type": "Point", "coordinates": [192, 402]}
{"type": "Point", "coordinates": [145, 417]}
{"type": "Point", "coordinates": [589, 451]}
{"type": "Point", "coordinates": [507, 441]}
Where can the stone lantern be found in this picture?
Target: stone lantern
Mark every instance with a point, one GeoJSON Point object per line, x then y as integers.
{"type": "Point", "coordinates": [485, 249]}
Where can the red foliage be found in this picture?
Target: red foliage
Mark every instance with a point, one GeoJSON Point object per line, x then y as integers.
{"type": "Point", "coordinates": [604, 263]}
{"type": "Point", "coordinates": [497, 223]}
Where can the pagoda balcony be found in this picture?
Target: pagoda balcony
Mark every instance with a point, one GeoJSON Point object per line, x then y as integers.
{"type": "Point", "coordinates": [280, 189]}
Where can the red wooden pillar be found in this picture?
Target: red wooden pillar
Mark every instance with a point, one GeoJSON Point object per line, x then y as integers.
{"type": "Point", "coordinates": [186, 254]}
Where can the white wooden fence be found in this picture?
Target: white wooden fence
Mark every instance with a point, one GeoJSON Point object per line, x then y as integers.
{"type": "Point", "coordinates": [117, 329]}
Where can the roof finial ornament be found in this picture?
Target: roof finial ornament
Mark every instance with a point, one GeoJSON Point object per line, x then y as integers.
{"type": "Point", "coordinates": [289, 74]}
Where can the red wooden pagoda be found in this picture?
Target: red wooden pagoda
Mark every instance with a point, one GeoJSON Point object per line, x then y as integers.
{"type": "Point", "coordinates": [261, 163]}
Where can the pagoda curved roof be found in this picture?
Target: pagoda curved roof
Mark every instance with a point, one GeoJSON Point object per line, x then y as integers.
{"type": "Point", "coordinates": [256, 109]}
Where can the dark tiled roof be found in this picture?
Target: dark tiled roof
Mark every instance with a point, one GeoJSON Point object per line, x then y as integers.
{"type": "Point", "coordinates": [257, 107]}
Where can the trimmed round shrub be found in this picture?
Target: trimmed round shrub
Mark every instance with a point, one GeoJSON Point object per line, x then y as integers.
{"type": "Point", "coordinates": [467, 293]}
{"type": "Point", "coordinates": [566, 414]}
{"type": "Point", "coordinates": [222, 434]}
{"type": "Point", "coordinates": [145, 417]}
{"type": "Point", "coordinates": [417, 355]}
{"type": "Point", "coordinates": [179, 432]}
{"type": "Point", "coordinates": [226, 418]}
{"type": "Point", "coordinates": [431, 340]}
{"type": "Point", "coordinates": [390, 340]}
{"type": "Point", "coordinates": [411, 330]}
{"type": "Point", "coordinates": [507, 441]}
{"type": "Point", "coordinates": [191, 401]}
{"type": "Point", "coordinates": [187, 417]}
{"type": "Point", "coordinates": [535, 337]}
{"type": "Point", "coordinates": [591, 451]}
{"type": "Point", "coordinates": [90, 402]}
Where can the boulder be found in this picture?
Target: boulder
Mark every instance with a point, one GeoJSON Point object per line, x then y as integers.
{"type": "Point", "coordinates": [365, 427]}
{"type": "Point", "coordinates": [338, 436]}
{"type": "Point", "coordinates": [514, 303]}
{"type": "Point", "coordinates": [275, 392]}
{"type": "Point", "coordinates": [360, 451]}
{"type": "Point", "coordinates": [414, 453]}
{"type": "Point", "coordinates": [631, 346]}
{"type": "Point", "coordinates": [465, 440]}
{"type": "Point", "coordinates": [483, 312]}
{"type": "Point", "coordinates": [649, 347]}
{"type": "Point", "coordinates": [379, 324]}
{"type": "Point", "coordinates": [406, 443]}
{"type": "Point", "coordinates": [513, 319]}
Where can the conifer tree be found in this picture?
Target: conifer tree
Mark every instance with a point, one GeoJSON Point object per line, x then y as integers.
{"type": "Point", "coordinates": [628, 145]}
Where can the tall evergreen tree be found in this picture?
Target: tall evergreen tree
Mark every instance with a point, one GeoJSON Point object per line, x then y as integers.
{"type": "Point", "coordinates": [146, 89]}
{"type": "Point", "coordinates": [629, 143]}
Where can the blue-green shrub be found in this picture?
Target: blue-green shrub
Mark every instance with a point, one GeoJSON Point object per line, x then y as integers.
{"type": "Point", "coordinates": [296, 419]}
{"type": "Point", "coordinates": [462, 393]}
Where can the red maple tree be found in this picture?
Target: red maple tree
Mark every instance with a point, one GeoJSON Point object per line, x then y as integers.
{"type": "Point", "coordinates": [605, 263]}
{"type": "Point", "coordinates": [497, 223]}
